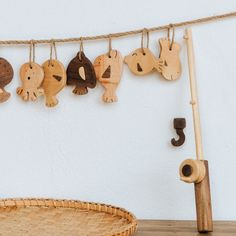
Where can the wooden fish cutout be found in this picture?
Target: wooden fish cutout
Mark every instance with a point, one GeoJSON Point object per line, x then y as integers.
{"type": "Point", "coordinates": [6, 76]}
{"type": "Point", "coordinates": [54, 81]}
{"type": "Point", "coordinates": [31, 75]}
{"type": "Point", "coordinates": [108, 69]}
{"type": "Point", "coordinates": [142, 62]}
{"type": "Point", "coordinates": [171, 69]}
{"type": "Point", "coordinates": [80, 72]}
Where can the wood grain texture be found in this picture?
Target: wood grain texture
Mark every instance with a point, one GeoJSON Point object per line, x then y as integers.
{"type": "Point", "coordinates": [194, 95]}
{"type": "Point", "coordinates": [108, 71]}
{"type": "Point", "coordinates": [81, 74]}
{"type": "Point", "coordinates": [31, 75]}
{"type": "Point", "coordinates": [182, 228]}
{"type": "Point", "coordinates": [171, 69]}
{"type": "Point", "coordinates": [6, 76]}
{"type": "Point", "coordinates": [203, 203]}
{"type": "Point", "coordinates": [54, 81]}
{"type": "Point", "coordinates": [192, 171]}
{"type": "Point", "coordinates": [142, 61]}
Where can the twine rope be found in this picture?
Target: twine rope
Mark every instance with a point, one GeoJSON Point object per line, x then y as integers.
{"type": "Point", "coordinates": [81, 49]}
{"type": "Point", "coordinates": [147, 39]}
{"type": "Point", "coordinates": [122, 34]}
{"type": "Point", "coordinates": [31, 53]}
{"type": "Point", "coordinates": [171, 27]}
{"type": "Point", "coordinates": [109, 45]}
{"type": "Point", "coordinates": [52, 49]}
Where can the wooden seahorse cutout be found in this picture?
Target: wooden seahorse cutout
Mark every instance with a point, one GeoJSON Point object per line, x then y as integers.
{"type": "Point", "coordinates": [171, 69]}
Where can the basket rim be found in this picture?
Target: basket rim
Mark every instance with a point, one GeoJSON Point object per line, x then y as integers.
{"type": "Point", "coordinates": [76, 204]}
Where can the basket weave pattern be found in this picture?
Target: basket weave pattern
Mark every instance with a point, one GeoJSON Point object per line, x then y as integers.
{"type": "Point", "coordinates": [48, 217]}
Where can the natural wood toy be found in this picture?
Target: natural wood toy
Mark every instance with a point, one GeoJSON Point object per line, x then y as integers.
{"type": "Point", "coordinates": [54, 78]}
{"type": "Point", "coordinates": [31, 75]}
{"type": "Point", "coordinates": [6, 76]}
{"type": "Point", "coordinates": [80, 72]}
{"type": "Point", "coordinates": [108, 69]}
{"type": "Point", "coordinates": [169, 55]}
{"type": "Point", "coordinates": [192, 171]}
{"type": "Point", "coordinates": [54, 81]}
{"type": "Point", "coordinates": [142, 61]}
{"type": "Point", "coordinates": [179, 125]}
{"type": "Point", "coordinates": [196, 171]}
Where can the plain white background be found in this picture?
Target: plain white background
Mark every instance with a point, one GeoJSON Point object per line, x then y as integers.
{"type": "Point", "coordinates": [120, 153]}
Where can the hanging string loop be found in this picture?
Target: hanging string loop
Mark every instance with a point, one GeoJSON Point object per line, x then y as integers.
{"type": "Point", "coordinates": [31, 53]}
{"type": "Point", "coordinates": [52, 49]}
{"type": "Point", "coordinates": [81, 49]}
{"type": "Point", "coordinates": [145, 32]}
{"type": "Point", "coordinates": [109, 46]}
{"type": "Point", "coordinates": [172, 40]}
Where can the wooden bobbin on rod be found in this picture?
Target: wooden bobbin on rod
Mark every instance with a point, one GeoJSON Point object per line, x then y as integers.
{"type": "Point", "coordinates": [196, 171]}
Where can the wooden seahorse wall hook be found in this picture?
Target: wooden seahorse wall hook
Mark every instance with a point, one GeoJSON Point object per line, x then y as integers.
{"type": "Point", "coordinates": [179, 125]}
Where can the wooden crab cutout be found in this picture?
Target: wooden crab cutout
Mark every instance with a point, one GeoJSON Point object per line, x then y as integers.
{"type": "Point", "coordinates": [31, 75]}
{"type": "Point", "coordinates": [169, 54]}
{"type": "Point", "coordinates": [80, 72]}
{"type": "Point", "coordinates": [6, 76]}
{"type": "Point", "coordinates": [108, 69]}
{"type": "Point", "coordinates": [142, 61]}
{"type": "Point", "coordinates": [54, 81]}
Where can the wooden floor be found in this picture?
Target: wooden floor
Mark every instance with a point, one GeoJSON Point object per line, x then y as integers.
{"type": "Point", "coordinates": [182, 228]}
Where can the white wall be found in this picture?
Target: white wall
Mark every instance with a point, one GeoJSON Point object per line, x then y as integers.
{"type": "Point", "coordinates": [120, 153]}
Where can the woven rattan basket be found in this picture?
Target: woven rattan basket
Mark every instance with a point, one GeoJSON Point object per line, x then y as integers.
{"type": "Point", "coordinates": [48, 217]}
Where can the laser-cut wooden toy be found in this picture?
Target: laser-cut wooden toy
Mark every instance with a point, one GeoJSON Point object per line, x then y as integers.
{"type": "Point", "coordinates": [142, 61]}
{"type": "Point", "coordinates": [169, 55]}
{"type": "Point", "coordinates": [31, 75]}
{"type": "Point", "coordinates": [6, 76]}
{"type": "Point", "coordinates": [54, 81]}
{"type": "Point", "coordinates": [108, 68]}
{"type": "Point", "coordinates": [81, 74]}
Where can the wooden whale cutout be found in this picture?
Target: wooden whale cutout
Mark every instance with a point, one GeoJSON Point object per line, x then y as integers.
{"type": "Point", "coordinates": [31, 75]}
{"type": "Point", "coordinates": [171, 69]}
{"type": "Point", "coordinates": [6, 76]}
{"type": "Point", "coordinates": [142, 61]}
{"type": "Point", "coordinates": [54, 81]}
{"type": "Point", "coordinates": [108, 70]}
{"type": "Point", "coordinates": [81, 74]}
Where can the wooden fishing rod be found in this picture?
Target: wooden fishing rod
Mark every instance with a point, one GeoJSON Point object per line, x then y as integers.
{"type": "Point", "coordinates": [196, 171]}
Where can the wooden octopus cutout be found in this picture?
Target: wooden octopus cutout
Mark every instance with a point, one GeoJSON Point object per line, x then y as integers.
{"type": "Point", "coordinates": [54, 81]}
{"type": "Point", "coordinates": [142, 62]}
{"type": "Point", "coordinates": [108, 69]}
{"type": "Point", "coordinates": [171, 69]}
{"type": "Point", "coordinates": [6, 76]}
{"type": "Point", "coordinates": [80, 72]}
{"type": "Point", "coordinates": [31, 75]}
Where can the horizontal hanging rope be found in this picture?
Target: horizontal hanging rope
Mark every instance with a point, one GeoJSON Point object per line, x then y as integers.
{"type": "Point", "coordinates": [121, 34]}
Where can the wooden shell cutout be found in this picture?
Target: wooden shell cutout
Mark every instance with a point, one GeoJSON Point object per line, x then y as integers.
{"type": "Point", "coordinates": [54, 81]}
{"type": "Point", "coordinates": [108, 70]}
{"type": "Point", "coordinates": [31, 75]}
{"type": "Point", "coordinates": [6, 76]}
{"type": "Point", "coordinates": [142, 61]}
{"type": "Point", "coordinates": [171, 69]}
{"type": "Point", "coordinates": [80, 72]}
